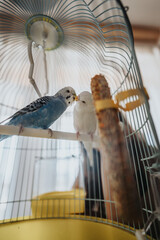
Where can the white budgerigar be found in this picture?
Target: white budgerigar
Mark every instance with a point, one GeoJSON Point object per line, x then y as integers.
{"type": "Point", "coordinates": [84, 120]}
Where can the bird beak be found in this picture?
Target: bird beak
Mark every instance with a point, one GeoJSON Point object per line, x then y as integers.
{"type": "Point", "coordinates": [76, 98]}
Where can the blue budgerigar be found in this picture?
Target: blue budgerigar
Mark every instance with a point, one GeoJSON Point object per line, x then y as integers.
{"type": "Point", "coordinates": [43, 112]}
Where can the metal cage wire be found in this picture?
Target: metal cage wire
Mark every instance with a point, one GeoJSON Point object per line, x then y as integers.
{"type": "Point", "coordinates": [97, 39]}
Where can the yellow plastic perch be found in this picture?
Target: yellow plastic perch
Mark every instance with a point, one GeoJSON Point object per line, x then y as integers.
{"type": "Point", "coordinates": [58, 204]}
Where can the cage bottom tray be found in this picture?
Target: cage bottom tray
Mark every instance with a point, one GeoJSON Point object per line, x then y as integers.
{"type": "Point", "coordinates": [67, 229]}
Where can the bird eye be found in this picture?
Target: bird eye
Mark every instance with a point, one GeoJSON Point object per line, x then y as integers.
{"type": "Point", "coordinates": [68, 91]}
{"type": "Point", "coordinates": [69, 102]}
{"type": "Point", "coordinates": [83, 101]}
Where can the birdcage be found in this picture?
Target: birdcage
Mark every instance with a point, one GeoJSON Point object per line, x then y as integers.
{"type": "Point", "coordinates": [48, 187]}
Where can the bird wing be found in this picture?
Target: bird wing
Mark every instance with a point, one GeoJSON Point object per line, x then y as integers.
{"type": "Point", "coordinates": [34, 106]}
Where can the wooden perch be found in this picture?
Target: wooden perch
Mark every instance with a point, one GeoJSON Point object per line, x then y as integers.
{"type": "Point", "coordinates": [115, 160]}
{"type": "Point", "coordinates": [41, 133]}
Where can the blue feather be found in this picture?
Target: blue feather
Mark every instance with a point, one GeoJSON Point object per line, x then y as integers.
{"type": "Point", "coordinates": [42, 115]}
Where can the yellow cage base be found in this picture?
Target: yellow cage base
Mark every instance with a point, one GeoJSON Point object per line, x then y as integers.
{"type": "Point", "coordinates": [60, 229]}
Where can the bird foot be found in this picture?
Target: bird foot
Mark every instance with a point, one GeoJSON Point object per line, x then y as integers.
{"type": "Point", "coordinates": [95, 207]}
{"type": "Point", "coordinates": [50, 132]}
{"type": "Point", "coordinates": [21, 129]}
{"type": "Point", "coordinates": [77, 134]}
{"type": "Point", "coordinates": [91, 135]}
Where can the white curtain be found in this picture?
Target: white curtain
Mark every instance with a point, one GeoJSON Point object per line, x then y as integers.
{"type": "Point", "coordinates": [149, 62]}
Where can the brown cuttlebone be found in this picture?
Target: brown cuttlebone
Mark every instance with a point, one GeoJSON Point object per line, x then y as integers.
{"type": "Point", "coordinates": [118, 181]}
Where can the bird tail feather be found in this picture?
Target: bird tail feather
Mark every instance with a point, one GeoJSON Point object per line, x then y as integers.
{"type": "Point", "coordinates": [89, 149]}
{"type": "Point", "coordinates": [2, 137]}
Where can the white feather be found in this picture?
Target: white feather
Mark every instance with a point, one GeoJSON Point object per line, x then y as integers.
{"type": "Point", "coordinates": [84, 120]}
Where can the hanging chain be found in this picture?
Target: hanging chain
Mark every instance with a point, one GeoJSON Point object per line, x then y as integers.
{"type": "Point", "coordinates": [45, 68]}
{"type": "Point", "coordinates": [30, 76]}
